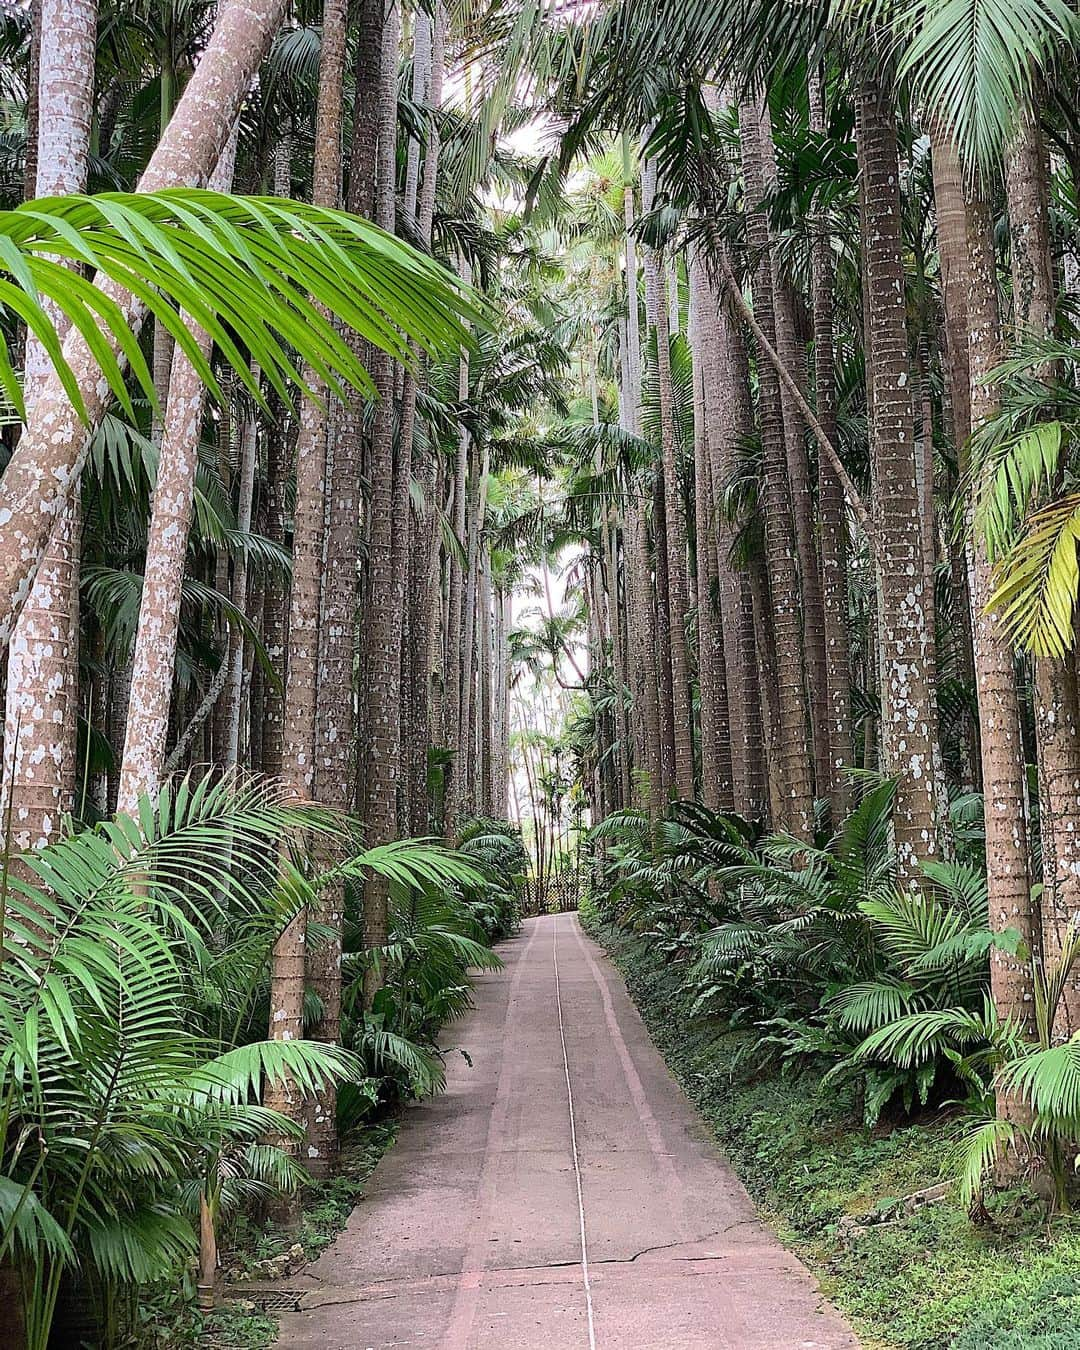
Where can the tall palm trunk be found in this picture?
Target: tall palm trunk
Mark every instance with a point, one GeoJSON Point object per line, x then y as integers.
{"type": "Point", "coordinates": [793, 359]}
{"type": "Point", "coordinates": [951, 214]}
{"type": "Point", "coordinates": [235, 654]}
{"type": "Point", "coordinates": [455, 659]}
{"type": "Point", "coordinates": [385, 598]}
{"type": "Point", "coordinates": [44, 469]}
{"type": "Point", "coordinates": [1002, 751]}
{"type": "Point", "coordinates": [43, 654]}
{"type": "Point", "coordinates": [335, 717]}
{"type": "Point", "coordinates": [675, 539]}
{"type": "Point", "coordinates": [423, 559]}
{"type": "Point", "coordinates": [832, 526]}
{"type": "Point", "coordinates": [289, 960]}
{"type": "Point", "coordinates": [276, 604]}
{"type": "Point", "coordinates": [1057, 717]}
{"type": "Point", "coordinates": [791, 730]}
{"type": "Point", "coordinates": [906, 645]}
{"type": "Point", "coordinates": [641, 624]}
{"type": "Point", "coordinates": [717, 789]}
{"type": "Point", "coordinates": [729, 421]}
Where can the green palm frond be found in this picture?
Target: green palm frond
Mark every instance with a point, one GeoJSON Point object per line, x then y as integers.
{"type": "Point", "coordinates": [258, 274]}
{"type": "Point", "coordinates": [977, 1153]}
{"type": "Point", "coordinates": [237, 1074]}
{"type": "Point", "coordinates": [1049, 1081]}
{"type": "Point", "coordinates": [387, 1049]}
{"type": "Point", "coordinates": [1015, 471]}
{"type": "Point", "coordinates": [142, 1245]}
{"type": "Point", "coordinates": [864, 1006]}
{"type": "Point", "coordinates": [975, 61]}
{"type": "Point", "coordinates": [921, 1036]}
{"type": "Point", "coordinates": [1037, 580]}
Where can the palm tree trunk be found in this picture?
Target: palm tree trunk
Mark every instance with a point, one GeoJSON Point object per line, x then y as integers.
{"type": "Point", "coordinates": [43, 654]}
{"type": "Point", "coordinates": [793, 359]}
{"type": "Point", "coordinates": [276, 604]}
{"type": "Point", "coordinates": [833, 533]}
{"type": "Point", "coordinates": [423, 560]}
{"type": "Point", "coordinates": [385, 598]}
{"type": "Point", "coordinates": [951, 213]}
{"type": "Point", "coordinates": [289, 959]}
{"type": "Point", "coordinates": [717, 789]}
{"type": "Point", "coordinates": [908, 666]}
{"type": "Point", "coordinates": [1004, 791]}
{"type": "Point", "coordinates": [729, 420]}
{"type": "Point", "coordinates": [643, 655]}
{"type": "Point", "coordinates": [485, 723]}
{"type": "Point", "coordinates": [1057, 717]}
{"type": "Point", "coordinates": [791, 729]}
{"type": "Point", "coordinates": [234, 685]}
{"type": "Point", "coordinates": [802, 508]}
{"type": "Point", "coordinates": [674, 538]}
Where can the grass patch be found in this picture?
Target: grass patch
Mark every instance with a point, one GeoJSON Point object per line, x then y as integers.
{"type": "Point", "coordinates": [928, 1281]}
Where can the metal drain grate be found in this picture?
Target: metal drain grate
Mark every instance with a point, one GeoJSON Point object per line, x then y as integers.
{"type": "Point", "coordinates": [269, 1300]}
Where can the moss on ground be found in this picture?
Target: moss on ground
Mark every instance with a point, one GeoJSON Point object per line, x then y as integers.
{"type": "Point", "coordinates": [929, 1281]}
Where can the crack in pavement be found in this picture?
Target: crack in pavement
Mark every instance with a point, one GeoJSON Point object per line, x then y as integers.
{"type": "Point", "coordinates": [393, 1288]}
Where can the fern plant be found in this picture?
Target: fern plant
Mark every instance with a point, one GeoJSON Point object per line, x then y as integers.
{"type": "Point", "coordinates": [132, 957]}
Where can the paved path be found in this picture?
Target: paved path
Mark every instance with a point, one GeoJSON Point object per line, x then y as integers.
{"type": "Point", "coordinates": [561, 1195]}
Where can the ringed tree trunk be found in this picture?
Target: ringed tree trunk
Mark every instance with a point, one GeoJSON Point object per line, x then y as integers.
{"type": "Point", "coordinates": [908, 665]}
{"type": "Point", "coordinates": [386, 584]}
{"type": "Point", "coordinates": [234, 688]}
{"type": "Point", "coordinates": [1002, 749]}
{"type": "Point", "coordinates": [675, 535]}
{"type": "Point", "coordinates": [665, 687]}
{"type": "Point", "coordinates": [45, 467]}
{"type": "Point", "coordinates": [276, 604]}
{"type": "Point", "coordinates": [289, 959]}
{"type": "Point", "coordinates": [716, 723]}
{"type": "Point", "coordinates": [951, 213]}
{"type": "Point", "coordinates": [795, 776]}
{"type": "Point", "coordinates": [1057, 718]}
{"type": "Point", "coordinates": [641, 623]}
{"type": "Point", "coordinates": [423, 561]}
{"type": "Point", "coordinates": [332, 723]}
{"type": "Point", "coordinates": [455, 659]}
{"type": "Point", "coordinates": [729, 420]}
{"type": "Point", "coordinates": [802, 506]}
{"type": "Point", "coordinates": [832, 522]}
{"type": "Point", "coordinates": [42, 708]}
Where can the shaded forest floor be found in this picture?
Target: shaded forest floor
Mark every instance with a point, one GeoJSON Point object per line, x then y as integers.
{"type": "Point", "coordinates": [926, 1280]}
{"type": "Point", "coordinates": [260, 1256]}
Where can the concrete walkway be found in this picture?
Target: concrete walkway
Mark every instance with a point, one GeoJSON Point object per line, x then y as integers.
{"type": "Point", "coordinates": [561, 1195]}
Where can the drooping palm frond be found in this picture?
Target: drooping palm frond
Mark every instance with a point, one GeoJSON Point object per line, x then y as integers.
{"type": "Point", "coordinates": [252, 272]}
{"type": "Point", "coordinates": [1038, 578]}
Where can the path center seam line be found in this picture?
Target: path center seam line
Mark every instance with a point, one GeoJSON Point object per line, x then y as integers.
{"type": "Point", "coordinates": [573, 1140]}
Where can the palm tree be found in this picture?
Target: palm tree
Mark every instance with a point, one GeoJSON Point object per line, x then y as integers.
{"type": "Point", "coordinates": [385, 598]}
{"type": "Point", "coordinates": [792, 731]}
{"type": "Point", "coordinates": [832, 522]}
{"type": "Point", "coordinates": [906, 647]}
{"type": "Point", "coordinates": [319, 726]}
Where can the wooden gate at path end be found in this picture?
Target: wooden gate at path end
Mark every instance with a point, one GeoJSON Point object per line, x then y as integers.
{"type": "Point", "coordinates": [559, 894]}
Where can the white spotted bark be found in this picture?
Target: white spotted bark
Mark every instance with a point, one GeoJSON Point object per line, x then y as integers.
{"type": "Point", "coordinates": [41, 712]}
{"type": "Point", "coordinates": [906, 644]}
